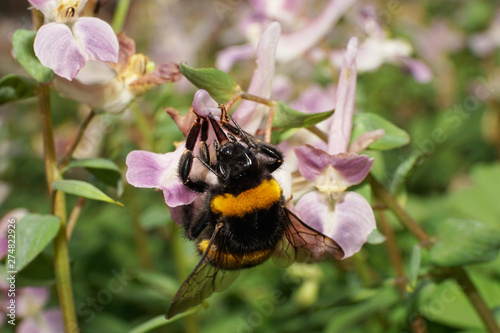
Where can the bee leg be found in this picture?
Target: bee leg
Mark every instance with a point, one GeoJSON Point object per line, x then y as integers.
{"type": "Point", "coordinates": [195, 229]}
{"type": "Point", "coordinates": [275, 155]}
{"type": "Point", "coordinates": [186, 161]}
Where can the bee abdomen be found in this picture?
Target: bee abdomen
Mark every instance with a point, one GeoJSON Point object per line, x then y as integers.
{"type": "Point", "coordinates": [232, 261]}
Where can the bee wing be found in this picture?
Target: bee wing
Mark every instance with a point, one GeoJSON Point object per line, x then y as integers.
{"type": "Point", "coordinates": [304, 244]}
{"type": "Point", "coordinates": [203, 281]}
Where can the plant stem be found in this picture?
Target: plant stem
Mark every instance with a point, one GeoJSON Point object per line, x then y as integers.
{"type": "Point", "coordinates": [476, 300]}
{"type": "Point", "coordinates": [120, 16]}
{"type": "Point", "coordinates": [73, 217]}
{"type": "Point", "coordinates": [269, 125]}
{"type": "Point", "coordinates": [61, 255]}
{"type": "Point", "coordinates": [392, 250]}
{"type": "Point", "coordinates": [319, 133]}
{"type": "Point", "coordinates": [402, 215]}
{"type": "Point", "coordinates": [233, 100]}
{"type": "Point", "coordinates": [257, 99]}
{"type": "Point", "coordinates": [81, 130]}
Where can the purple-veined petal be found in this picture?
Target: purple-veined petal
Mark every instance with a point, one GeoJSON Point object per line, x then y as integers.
{"type": "Point", "coordinates": [232, 54]}
{"type": "Point", "coordinates": [97, 39]}
{"type": "Point", "coordinates": [151, 170]}
{"type": "Point", "coordinates": [354, 221]}
{"type": "Point", "coordinates": [420, 72]}
{"type": "Point", "coordinates": [50, 321]}
{"type": "Point", "coordinates": [177, 194]}
{"type": "Point", "coordinates": [204, 105]}
{"type": "Point", "coordinates": [57, 49]}
{"type": "Point", "coordinates": [364, 140]}
{"type": "Point", "coordinates": [294, 44]}
{"type": "Point", "coordinates": [249, 114]}
{"type": "Point", "coordinates": [31, 300]}
{"type": "Point", "coordinates": [340, 130]}
{"type": "Point", "coordinates": [311, 161]}
{"type": "Point", "coordinates": [313, 210]}
{"type": "Point", "coordinates": [147, 169]}
{"type": "Point", "coordinates": [348, 221]}
{"type": "Point", "coordinates": [351, 168]}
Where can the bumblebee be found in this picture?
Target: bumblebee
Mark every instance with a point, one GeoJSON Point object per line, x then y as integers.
{"type": "Point", "coordinates": [244, 220]}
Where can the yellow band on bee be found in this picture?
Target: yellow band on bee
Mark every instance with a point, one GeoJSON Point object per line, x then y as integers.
{"type": "Point", "coordinates": [233, 261]}
{"type": "Point", "coordinates": [261, 197]}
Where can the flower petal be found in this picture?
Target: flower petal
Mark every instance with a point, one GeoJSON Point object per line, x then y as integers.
{"type": "Point", "coordinates": [204, 105]}
{"type": "Point", "coordinates": [31, 300]}
{"type": "Point", "coordinates": [57, 49]}
{"type": "Point", "coordinates": [151, 170]}
{"type": "Point", "coordinates": [313, 210]}
{"type": "Point", "coordinates": [230, 55]}
{"type": "Point", "coordinates": [420, 72]}
{"type": "Point", "coordinates": [97, 38]}
{"type": "Point", "coordinates": [354, 221]}
{"type": "Point", "coordinates": [146, 169]}
{"type": "Point", "coordinates": [294, 44]}
{"type": "Point", "coordinates": [364, 140]}
{"type": "Point", "coordinates": [340, 130]}
{"type": "Point", "coordinates": [311, 161]}
{"type": "Point", "coordinates": [50, 321]}
{"type": "Point", "coordinates": [348, 222]}
{"type": "Point", "coordinates": [177, 194]}
{"type": "Point", "coordinates": [184, 122]}
{"type": "Point", "coordinates": [249, 114]}
{"type": "Point", "coordinates": [353, 168]}
{"type": "Point", "coordinates": [47, 7]}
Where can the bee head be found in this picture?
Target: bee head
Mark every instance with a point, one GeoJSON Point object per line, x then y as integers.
{"type": "Point", "coordinates": [236, 161]}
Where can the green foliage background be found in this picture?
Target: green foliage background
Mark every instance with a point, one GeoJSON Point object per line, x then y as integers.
{"type": "Point", "coordinates": [456, 178]}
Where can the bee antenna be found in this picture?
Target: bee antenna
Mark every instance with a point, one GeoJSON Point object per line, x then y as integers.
{"type": "Point", "coordinates": [243, 135]}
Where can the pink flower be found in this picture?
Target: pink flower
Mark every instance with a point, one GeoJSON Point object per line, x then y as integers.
{"type": "Point", "coordinates": [250, 114]}
{"type": "Point", "coordinates": [152, 170]}
{"type": "Point", "coordinates": [111, 88]}
{"type": "Point", "coordinates": [346, 217]}
{"type": "Point", "coordinates": [66, 42]}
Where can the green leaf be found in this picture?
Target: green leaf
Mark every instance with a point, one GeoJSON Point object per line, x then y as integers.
{"type": "Point", "coordinates": [159, 321]}
{"type": "Point", "coordinates": [366, 122]}
{"type": "Point", "coordinates": [286, 117]}
{"type": "Point", "coordinates": [415, 261]}
{"type": "Point", "coordinates": [347, 317]}
{"type": "Point", "coordinates": [103, 169]}
{"type": "Point", "coordinates": [480, 200]}
{"type": "Point", "coordinates": [33, 233]}
{"type": "Point", "coordinates": [22, 43]}
{"type": "Point", "coordinates": [14, 87]}
{"type": "Point", "coordinates": [82, 189]}
{"type": "Point", "coordinates": [464, 242]}
{"type": "Point", "coordinates": [220, 85]}
{"type": "Point", "coordinates": [447, 304]}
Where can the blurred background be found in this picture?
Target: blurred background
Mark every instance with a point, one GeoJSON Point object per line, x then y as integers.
{"type": "Point", "coordinates": [128, 262]}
